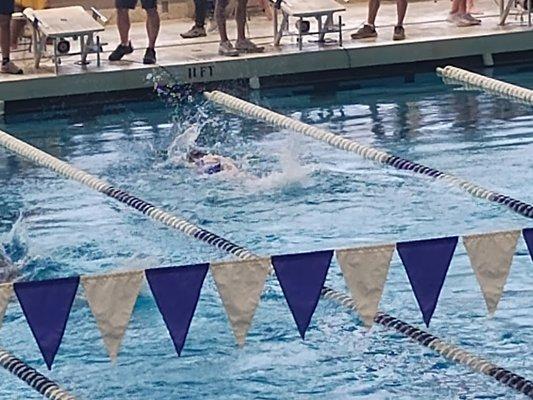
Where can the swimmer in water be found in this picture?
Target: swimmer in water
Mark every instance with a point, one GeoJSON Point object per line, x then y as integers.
{"type": "Point", "coordinates": [210, 164]}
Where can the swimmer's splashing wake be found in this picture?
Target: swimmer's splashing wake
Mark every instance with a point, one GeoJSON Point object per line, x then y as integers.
{"type": "Point", "coordinates": [184, 151]}
{"type": "Point", "coordinates": [9, 268]}
{"type": "Point", "coordinates": [290, 174]}
{"type": "Point", "coordinates": [183, 142]}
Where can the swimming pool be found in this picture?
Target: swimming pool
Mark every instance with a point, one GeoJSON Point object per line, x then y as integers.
{"type": "Point", "coordinates": [309, 196]}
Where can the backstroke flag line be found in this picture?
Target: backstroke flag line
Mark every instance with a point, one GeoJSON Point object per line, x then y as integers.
{"type": "Point", "coordinates": [301, 277]}
{"type": "Point", "coordinates": [426, 263]}
{"type": "Point", "coordinates": [240, 284]}
{"type": "Point", "coordinates": [46, 306]}
{"type": "Point", "coordinates": [176, 292]}
{"type": "Point", "coordinates": [491, 256]}
{"type": "Point", "coordinates": [365, 271]}
{"type": "Point", "coordinates": [111, 299]}
{"type": "Point", "coordinates": [528, 237]}
{"type": "Point", "coordinates": [6, 290]}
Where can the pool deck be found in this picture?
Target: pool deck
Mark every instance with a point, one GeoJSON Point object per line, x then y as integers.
{"type": "Point", "coordinates": [429, 39]}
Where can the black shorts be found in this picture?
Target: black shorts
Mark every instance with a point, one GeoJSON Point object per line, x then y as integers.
{"type": "Point", "coordinates": [7, 7]}
{"type": "Point", "coordinates": [146, 4]}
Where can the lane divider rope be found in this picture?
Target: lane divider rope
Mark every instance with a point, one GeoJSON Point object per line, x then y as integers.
{"type": "Point", "coordinates": [248, 109]}
{"type": "Point", "coordinates": [39, 157]}
{"type": "Point", "coordinates": [448, 351]}
{"type": "Point", "coordinates": [33, 378]}
{"type": "Point", "coordinates": [46, 160]}
{"type": "Point", "coordinates": [490, 85]}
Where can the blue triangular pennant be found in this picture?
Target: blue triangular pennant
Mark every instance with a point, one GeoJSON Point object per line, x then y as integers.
{"type": "Point", "coordinates": [301, 277]}
{"type": "Point", "coordinates": [528, 237]}
{"type": "Point", "coordinates": [176, 291]}
{"type": "Point", "coordinates": [46, 306]}
{"type": "Point", "coordinates": [426, 263]}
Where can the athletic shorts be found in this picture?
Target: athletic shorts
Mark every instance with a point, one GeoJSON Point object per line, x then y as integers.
{"type": "Point", "coordinates": [146, 4]}
{"type": "Point", "coordinates": [7, 7]}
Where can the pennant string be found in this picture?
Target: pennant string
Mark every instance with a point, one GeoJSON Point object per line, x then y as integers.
{"type": "Point", "coordinates": [176, 291]}
{"type": "Point", "coordinates": [426, 263]}
{"type": "Point", "coordinates": [491, 256]}
{"type": "Point", "coordinates": [240, 285]}
{"type": "Point", "coordinates": [46, 306]}
{"type": "Point", "coordinates": [6, 291]}
{"type": "Point", "coordinates": [365, 271]}
{"type": "Point", "coordinates": [111, 299]}
{"type": "Point", "coordinates": [301, 277]}
{"type": "Point", "coordinates": [528, 237]}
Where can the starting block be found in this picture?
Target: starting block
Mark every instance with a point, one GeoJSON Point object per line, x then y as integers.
{"type": "Point", "coordinates": [58, 25]}
{"type": "Point", "coordinates": [322, 10]}
{"type": "Point", "coordinates": [522, 6]}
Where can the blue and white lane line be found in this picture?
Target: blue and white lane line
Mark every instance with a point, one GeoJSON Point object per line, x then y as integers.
{"type": "Point", "coordinates": [33, 378]}
{"type": "Point", "coordinates": [471, 80]}
{"type": "Point", "coordinates": [248, 109]}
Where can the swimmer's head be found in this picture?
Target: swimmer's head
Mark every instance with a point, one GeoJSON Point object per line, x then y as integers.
{"type": "Point", "coordinates": [195, 154]}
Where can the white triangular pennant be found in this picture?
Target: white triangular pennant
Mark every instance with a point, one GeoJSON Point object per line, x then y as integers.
{"type": "Point", "coordinates": [6, 290]}
{"type": "Point", "coordinates": [365, 271]}
{"type": "Point", "coordinates": [491, 256]}
{"type": "Point", "coordinates": [240, 284]}
{"type": "Point", "coordinates": [111, 299]}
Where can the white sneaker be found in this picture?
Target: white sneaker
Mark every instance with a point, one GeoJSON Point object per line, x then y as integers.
{"type": "Point", "coordinates": [469, 17]}
{"type": "Point", "coordinates": [11, 68]}
{"type": "Point", "coordinates": [462, 20]}
{"type": "Point", "coordinates": [227, 49]}
{"type": "Point", "coordinates": [213, 26]}
{"type": "Point", "coordinates": [467, 20]}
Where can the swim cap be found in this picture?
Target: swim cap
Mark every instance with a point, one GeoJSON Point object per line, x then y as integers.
{"type": "Point", "coordinates": [211, 169]}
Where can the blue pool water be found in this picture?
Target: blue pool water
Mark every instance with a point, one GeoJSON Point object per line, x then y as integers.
{"type": "Point", "coordinates": [307, 196]}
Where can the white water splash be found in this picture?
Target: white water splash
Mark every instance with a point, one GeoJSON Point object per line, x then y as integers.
{"type": "Point", "coordinates": [184, 140]}
{"type": "Point", "coordinates": [9, 270]}
{"type": "Point", "coordinates": [182, 143]}
{"type": "Point", "coordinates": [291, 173]}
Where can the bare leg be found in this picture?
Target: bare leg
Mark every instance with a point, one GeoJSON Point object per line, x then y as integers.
{"type": "Point", "coordinates": [462, 6]}
{"type": "Point", "coordinates": [123, 24]}
{"type": "Point", "coordinates": [17, 29]}
{"type": "Point", "coordinates": [471, 7]}
{"type": "Point", "coordinates": [220, 16]}
{"type": "Point", "coordinates": [373, 7]}
{"type": "Point", "coordinates": [5, 35]}
{"type": "Point", "coordinates": [240, 18]}
{"type": "Point", "coordinates": [401, 8]}
{"type": "Point", "coordinates": [152, 26]}
{"type": "Point", "coordinates": [458, 6]}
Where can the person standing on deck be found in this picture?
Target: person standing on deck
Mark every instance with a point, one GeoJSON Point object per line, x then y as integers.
{"type": "Point", "coordinates": [201, 9]}
{"type": "Point", "coordinates": [243, 44]}
{"type": "Point", "coordinates": [460, 16]}
{"type": "Point", "coordinates": [368, 30]}
{"type": "Point", "coordinates": [6, 9]}
{"type": "Point", "coordinates": [123, 24]}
